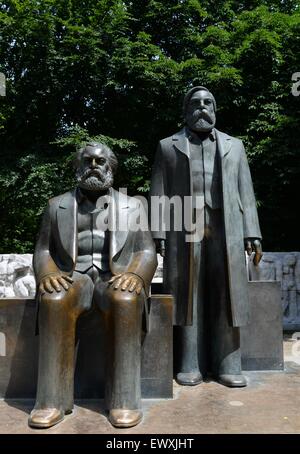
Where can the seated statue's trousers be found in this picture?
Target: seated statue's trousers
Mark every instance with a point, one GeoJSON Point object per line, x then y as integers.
{"type": "Point", "coordinates": [57, 317]}
{"type": "Point", "coordinates": [211, 343]}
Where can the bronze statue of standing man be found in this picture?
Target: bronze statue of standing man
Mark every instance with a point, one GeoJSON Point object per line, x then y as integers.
{"type": "Point", "coordinates": [207, 277]}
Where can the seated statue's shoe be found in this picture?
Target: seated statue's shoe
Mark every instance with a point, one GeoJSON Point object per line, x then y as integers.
{"type": "Point", "coordinates": [189, 378]}
{"type": "Point", "coordinates": [45, 417]}
{"type": "Point", "coordinates": [232, 381]}
{"type": "Point", "coordinates": [120, 417]}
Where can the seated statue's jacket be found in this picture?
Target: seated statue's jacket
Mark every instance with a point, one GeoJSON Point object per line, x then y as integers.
{"type": "Point", "coordinates": [130, 249]}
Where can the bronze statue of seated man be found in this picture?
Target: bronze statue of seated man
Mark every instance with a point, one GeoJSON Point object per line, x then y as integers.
{"type": "Point", "coordinates": [83, 260]}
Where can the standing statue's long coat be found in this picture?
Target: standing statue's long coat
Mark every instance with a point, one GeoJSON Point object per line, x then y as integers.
{"type": "Point", "coordinates": [172, 177]}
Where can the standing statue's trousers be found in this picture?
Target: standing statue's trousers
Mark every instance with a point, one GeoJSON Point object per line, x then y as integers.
{"type": "Point", "coordinates": [58, 314]}
{"type": "Point", "coordinates": [211, 343]}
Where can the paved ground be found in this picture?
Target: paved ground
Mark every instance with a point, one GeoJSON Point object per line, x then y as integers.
{"type": "Point", "coordinates": [270, 404]}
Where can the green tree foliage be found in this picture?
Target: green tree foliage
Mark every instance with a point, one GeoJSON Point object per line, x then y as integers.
{"type": "Point", "coordinates": [116, 71]}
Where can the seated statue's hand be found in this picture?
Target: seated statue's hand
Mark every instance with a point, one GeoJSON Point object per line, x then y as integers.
{"type": "Point", "coordinates": [127, 281]}
{"type": "Point", "coordinates": [55, 283]}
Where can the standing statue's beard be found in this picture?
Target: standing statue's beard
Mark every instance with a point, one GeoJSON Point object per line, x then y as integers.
{"type": "Point", "coordinates": [94, 180]}
{"type": "Point", "coordinates": [201, 121]}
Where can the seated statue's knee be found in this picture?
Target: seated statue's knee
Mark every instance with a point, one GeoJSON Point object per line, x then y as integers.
{"type": "Point", "coordinates": [54, 298]}
{"type": "Point", "coordinates": [121, 297]}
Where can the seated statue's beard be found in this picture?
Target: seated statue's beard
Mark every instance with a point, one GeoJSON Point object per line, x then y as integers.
{"type": "Point", "coordinates": [95, 180]}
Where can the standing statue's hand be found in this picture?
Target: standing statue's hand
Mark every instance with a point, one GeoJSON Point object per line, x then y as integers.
{"type": "Point", "coordinates": [160, 247]}
{"type": "Point", "coordinates": [55, 283]}
{"type": "Point", "coordinates": [127, 281]}
{"type": "Point", "coordinates": [254, 245]}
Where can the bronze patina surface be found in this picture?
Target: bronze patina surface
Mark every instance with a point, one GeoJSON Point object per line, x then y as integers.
{"type": "Point", "coordinates": [81, 265]}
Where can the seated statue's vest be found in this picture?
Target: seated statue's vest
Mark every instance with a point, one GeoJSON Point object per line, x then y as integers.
{"type": "Point", "coordinates": [93, 242]}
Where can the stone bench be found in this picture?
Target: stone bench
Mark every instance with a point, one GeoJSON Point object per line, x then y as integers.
{"type": "Point", "coordinates": [19, 351]}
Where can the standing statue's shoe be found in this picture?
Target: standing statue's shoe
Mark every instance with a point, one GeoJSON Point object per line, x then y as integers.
{"type": "Point", "coordinates": [189, 378]}
{"type": "Point", "coordinates": [120, 417]}
{"type": "Point", "coordinates": [46, 417]}
{"type": "Point", "coordinates": [232, 381]}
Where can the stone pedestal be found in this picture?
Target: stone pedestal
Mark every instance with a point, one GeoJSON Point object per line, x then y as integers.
{"type": "Point", "coordinates": [19, 351]}
{"type": "Point", "coordinates": [19, 348]}
{"type": "Point", "coordinates": [262, 340]}
{"type": "Point", "coordinates": [283, 267]}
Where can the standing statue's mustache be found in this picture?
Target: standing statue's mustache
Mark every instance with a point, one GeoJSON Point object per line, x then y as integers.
{"type": "Point", "coordinates": [205, 115]}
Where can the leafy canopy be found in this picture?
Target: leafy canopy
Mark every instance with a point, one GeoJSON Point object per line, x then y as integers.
{"type": "Point", "coordinates": [117, 71]}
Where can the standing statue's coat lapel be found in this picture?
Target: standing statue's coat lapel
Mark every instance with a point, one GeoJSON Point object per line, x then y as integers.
{"type": "Point", "coordinates": [224, 143]}
{"type": "Point", "coordinates": [181, 143]}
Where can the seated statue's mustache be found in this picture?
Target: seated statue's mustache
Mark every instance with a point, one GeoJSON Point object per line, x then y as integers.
{"type": "Point", "coordinates": [95, 178]}
{"type": "Point", "coordinates": [93, 173]}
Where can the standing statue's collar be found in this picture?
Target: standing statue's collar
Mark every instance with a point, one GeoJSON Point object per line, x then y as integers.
{"type": "Point", "coordinates": [193, 136]}
{"type": "Point", "coordinates": [181, 141]}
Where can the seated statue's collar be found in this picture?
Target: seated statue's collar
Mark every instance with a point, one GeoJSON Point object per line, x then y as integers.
{"type": "Point", "coordinates": [81, 197]}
